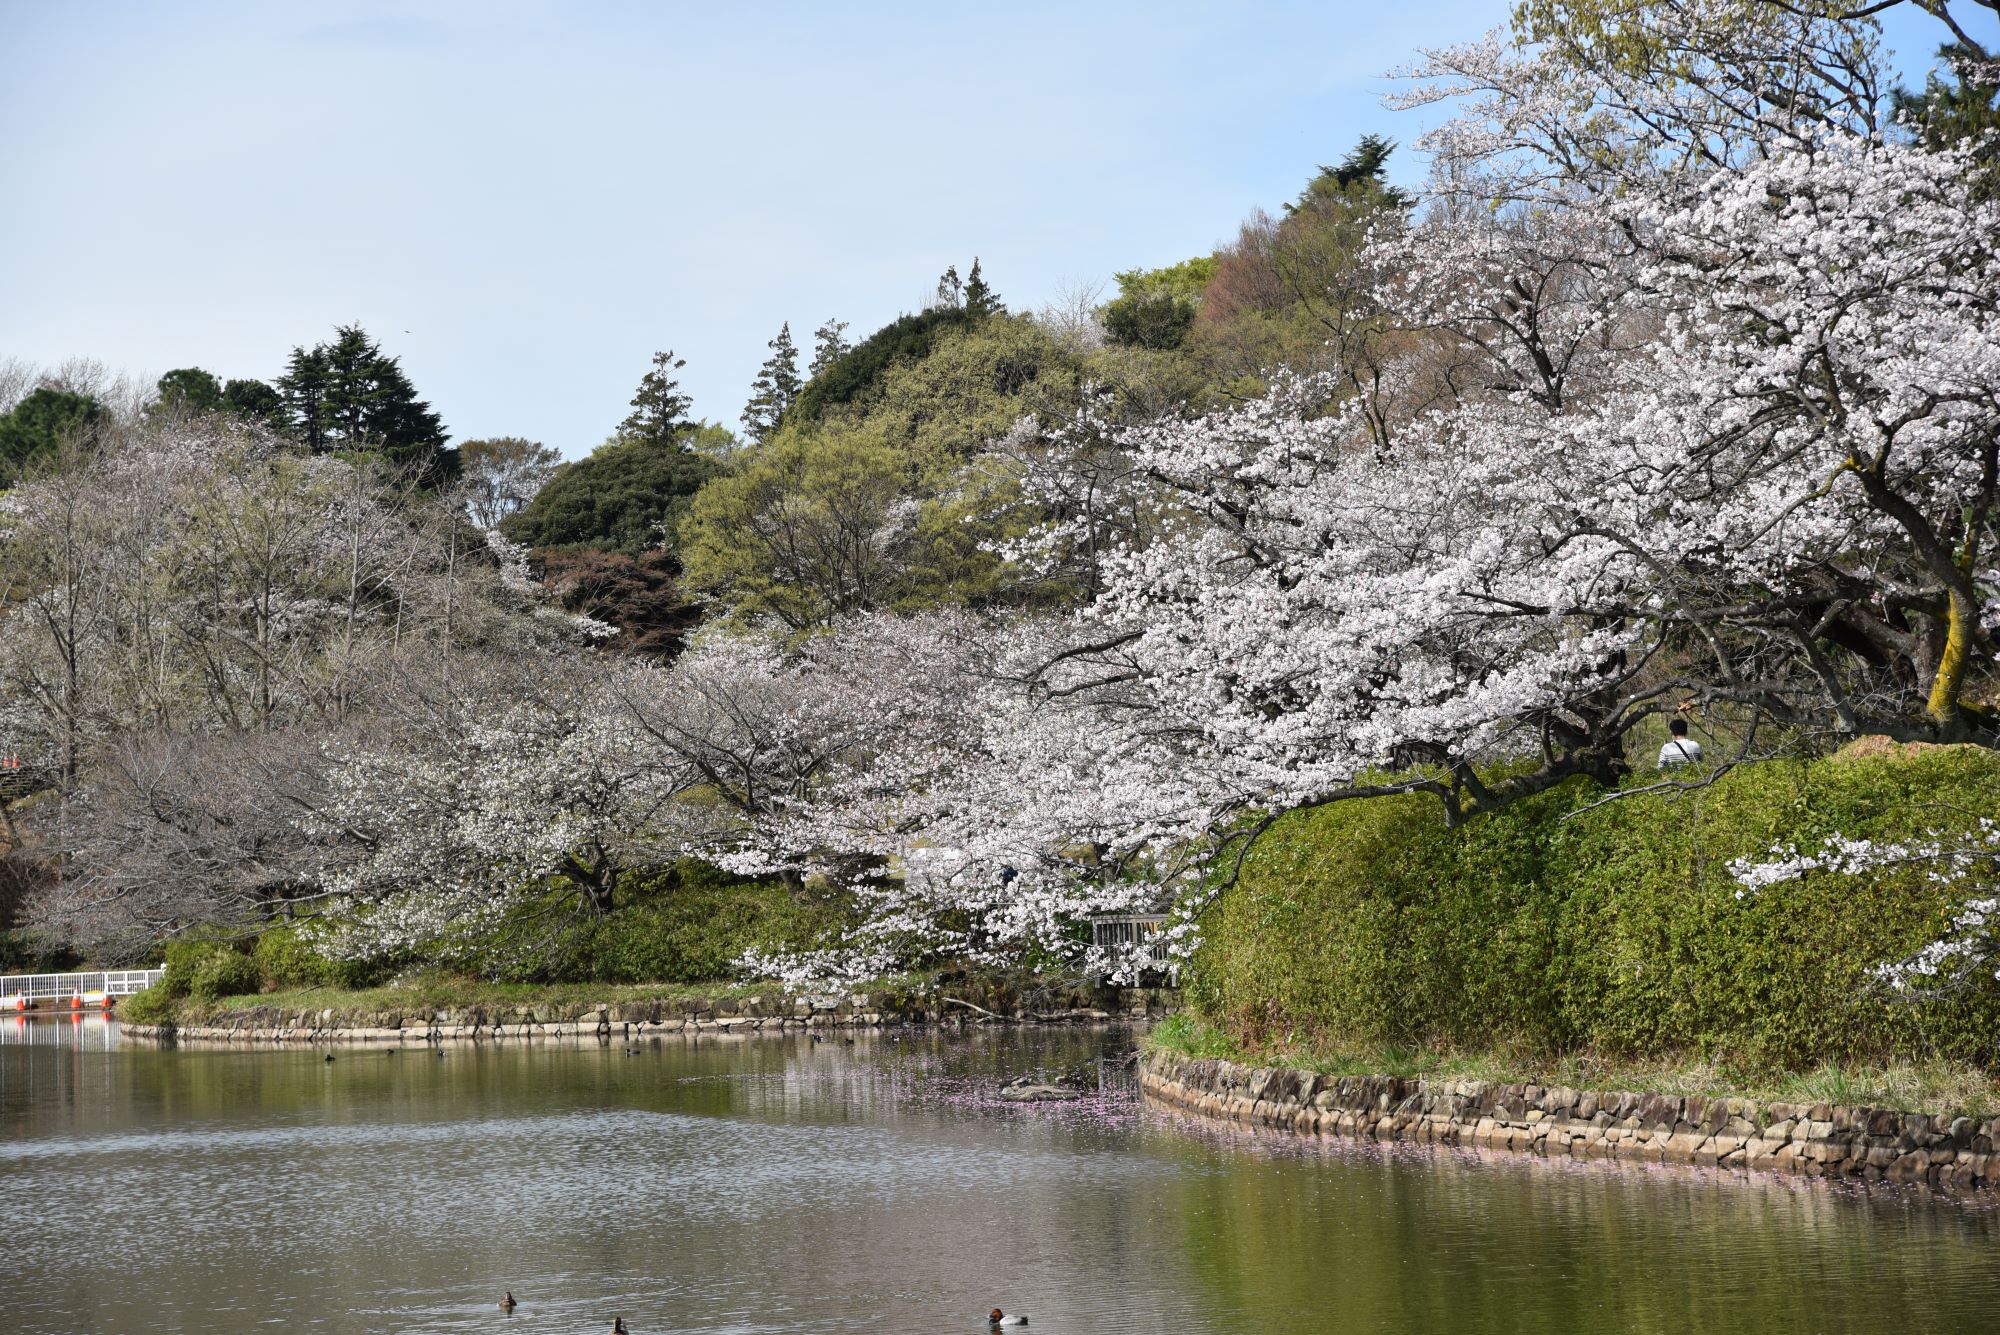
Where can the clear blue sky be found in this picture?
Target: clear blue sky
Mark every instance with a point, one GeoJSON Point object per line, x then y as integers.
{"type": "Point", "coordinates": [524, 201]}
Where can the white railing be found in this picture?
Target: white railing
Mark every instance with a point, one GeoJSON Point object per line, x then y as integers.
{"type": "Point", "coordinates": [63, 986]}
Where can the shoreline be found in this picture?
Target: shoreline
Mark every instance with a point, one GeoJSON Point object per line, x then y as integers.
{"type": "Point", "coordinates": [602, 1021]}
{"type": "Point", "coordinates": [1833, 1141]}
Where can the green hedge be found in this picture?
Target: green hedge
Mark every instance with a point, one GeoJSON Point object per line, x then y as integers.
{"type": "Point", "coordinates": [205, 969]}
{"type": "Point", "coordinates": [683, 924]}
{"type": "Point", "coordinates": [1551, 929]}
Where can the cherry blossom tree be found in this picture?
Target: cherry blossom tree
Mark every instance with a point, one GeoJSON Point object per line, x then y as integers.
{"type": "Point", "coordinates": [501, 786]}
{"type": "Point", "coordinates": [1704, 411]}
{"type": "Point", "coordinates": [1961, 867]}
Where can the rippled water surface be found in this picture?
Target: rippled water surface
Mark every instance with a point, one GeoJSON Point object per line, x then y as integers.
{"type": "Point", "coordinates": [778, 1185]}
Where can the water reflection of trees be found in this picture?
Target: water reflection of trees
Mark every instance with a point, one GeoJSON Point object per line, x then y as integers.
{"type": "Point", "coordinates": [1390, 1238]}
{"type": "Point", "coordinates": [724, 1179]}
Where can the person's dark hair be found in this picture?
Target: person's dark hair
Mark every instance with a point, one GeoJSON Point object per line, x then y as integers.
{"type": "Point", "coordinates": [1678, 727]}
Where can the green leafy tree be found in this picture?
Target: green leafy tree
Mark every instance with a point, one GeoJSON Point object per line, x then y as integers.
{"type": "Point", "coordinates": [39, 424]}
{"type": "Point", "coordinates": [189, 390]}
{"type": "Point", "coordinates": [970, 388]}
{"type": "Point", "coordinates": [712, 440]}
{"type": "Point", "coordinates": [822, 524]}
{"type": "Point", "coordinates": [776, 388]}
{"type": "Point", "coordinates": [254, 401]}
{"type": "Point", "coordinates": [627, 496]}
{"type": "Point", "coordinates": [809, 528]}
{"type": "Point", "coordinates": [659, 414]}
{"type": "Point", "coordinates": [1155, 308]}
{"type": "Point", "coordinates": [891, 502]}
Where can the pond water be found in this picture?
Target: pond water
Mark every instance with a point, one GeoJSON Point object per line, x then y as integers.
{"type": "Point", "coordinates": [739, 1186]}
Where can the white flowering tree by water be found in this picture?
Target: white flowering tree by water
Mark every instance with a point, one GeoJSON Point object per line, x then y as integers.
{"type": "Point", "coordinates": [1697, 404]}
{"type": "Point", "coordinates": [1677, 389]}
{"type": "Point", "coordinates": [1960, 867]}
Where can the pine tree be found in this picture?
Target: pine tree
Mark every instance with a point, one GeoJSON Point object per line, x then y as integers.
{"type": "Point", "coordinates": [829, 346]}
{"type": "Point", "coordinates": [950, 289]}
{"type": "Point", "coordinates": [1967, 107]}
{"type": "Point", "coordinates": [775, 388]}
{"type": "Point", "coordinates": [1362, 174]}
{"type": "Point", "coordinates": [981, 300]}
{"type": "Point", "coordinates": [659, 410]}
{"type": "Point", "coordinates": [350, 395]}
{"type": "Point", "coordinates": [303, 389]}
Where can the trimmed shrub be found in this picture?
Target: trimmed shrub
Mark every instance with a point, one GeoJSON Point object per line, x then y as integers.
{"type": "Point", "coordinates": [1550, 928]}
{"type": "Point", "coordinates": [285, 960]}
{"type": "Point", "coordinates": [697, 933]}
{"type": "Point", "coordinates": [155, 1005]}
{"type": "Point", "coordinates": [203, 970]}
{"type": "Point", "coordinates": [683, 924]}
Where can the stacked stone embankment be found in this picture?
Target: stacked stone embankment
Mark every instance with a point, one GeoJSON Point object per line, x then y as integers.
{"type": "Point", "coordinates": [772, 1013]}
{"type": "Point", "coordinates": [1952, 1153]}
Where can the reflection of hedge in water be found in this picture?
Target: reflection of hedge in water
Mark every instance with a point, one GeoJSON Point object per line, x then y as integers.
{"type": "Point", "coordinates": [1616, 930]}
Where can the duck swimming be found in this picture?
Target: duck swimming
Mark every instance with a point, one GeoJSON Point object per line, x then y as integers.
{"type": "Point", "coordinates": [1000, 1318]}
{"type": "Point", "coordinates": [618, 1326]}
{"type": "Point", "coordinates": [508, 1304]}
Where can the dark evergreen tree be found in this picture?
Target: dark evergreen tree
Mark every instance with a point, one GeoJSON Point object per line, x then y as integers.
{"type": "Point", "coordinates": [303, 390]}
{"type": "Point", "coordinates": [189, 390]}
{"type": "Point", "coordinates": [829, 346]}
{"type": "Point", "coordinates": [349, 395]}
{"type": "Point", "coordinates": [1363, 172]}
{"type": "Point", "coordinates": [1967, 107]}
{"type": "Point", "coordinates": [775, 389]}
{"type": "Point", "coordinates": [981, 300]}
{"type": "Point", "coordinates": [192, 389]}
{"type": "Point", "coordinates": [852, 374]}
{"type": "Point", "coordinates": [38, 425]}
{"type": "Point", "coordinates": [659, 410]}
{"type": "Point", "coordinates": [254, 401]}
{"type": "Point", "coordinates": [627, 496]}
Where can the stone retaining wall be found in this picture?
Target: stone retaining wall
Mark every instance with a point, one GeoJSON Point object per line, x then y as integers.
{"type": "Point", "coordinates": [1816, 1140]}
{"type": "Point", "coordinates": [639, 1019]}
